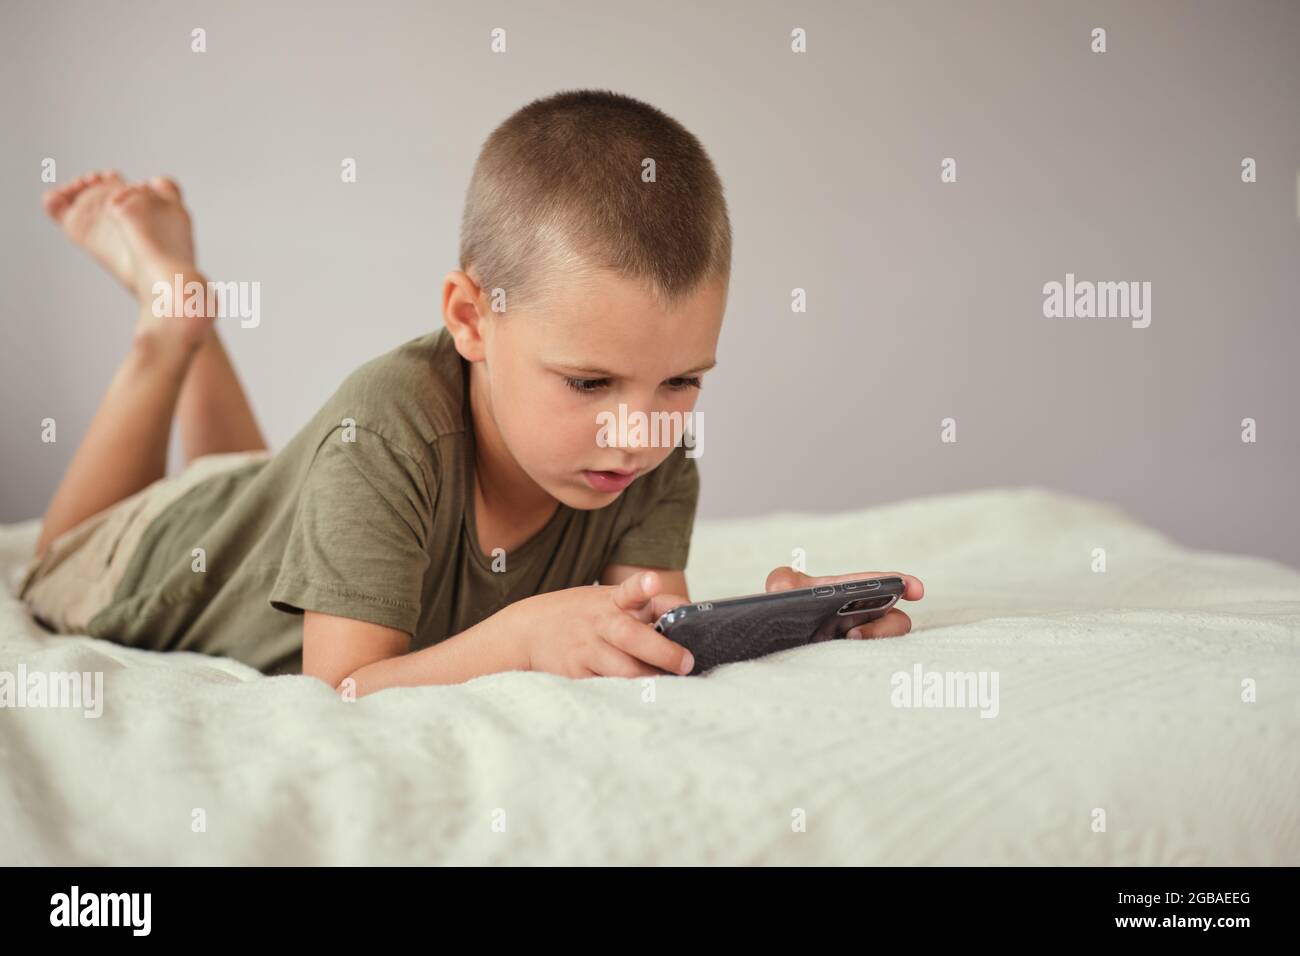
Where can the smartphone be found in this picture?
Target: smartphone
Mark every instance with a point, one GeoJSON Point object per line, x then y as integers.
{"type": "Point", "coordinates": [742, 628]}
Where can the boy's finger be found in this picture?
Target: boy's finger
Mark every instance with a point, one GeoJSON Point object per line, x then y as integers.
{"type": "Point", "coordinates": [894, 624]}
{"type": "Point", "coordinates": [608, 661]}
{"type": "Point", "coordinates": [633, 593]}
{"type": "Point", "coordinates": [657, 606]}
{"type": "Point", "coordinates": [910, 582]}
{"type": "Point", "coordinates": [787, 578]}
{"type": "Point", "coordinates": [662, 603]}
{"type": "Point", "coordinates": [646, 644]}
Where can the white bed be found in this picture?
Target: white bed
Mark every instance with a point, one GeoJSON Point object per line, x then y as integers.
{"type": "Point", "coordinates": [1119, 691]}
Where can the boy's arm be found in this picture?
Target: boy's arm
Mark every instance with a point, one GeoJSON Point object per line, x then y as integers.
{"type": "Point", "coordinates": [587, 631]}
{"type": "Point", "coordinates": [336, 648]}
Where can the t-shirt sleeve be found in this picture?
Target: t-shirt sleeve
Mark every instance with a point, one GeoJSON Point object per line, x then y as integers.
{"type": "Point", "coordinates": [357, 545]}
{"type": "Point", "coordinates": [661, 537]}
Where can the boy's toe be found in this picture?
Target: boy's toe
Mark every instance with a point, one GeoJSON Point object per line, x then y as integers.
{"type": "Point", "coordinates": [167, 186]}
{"type": "Point", "coordinates": [55, 202]}
{"type": "Point", "coordinates": [124, 195]}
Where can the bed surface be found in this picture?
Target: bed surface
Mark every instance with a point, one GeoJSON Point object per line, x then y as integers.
{"type": "Point", "coordinates": [1118, 691]}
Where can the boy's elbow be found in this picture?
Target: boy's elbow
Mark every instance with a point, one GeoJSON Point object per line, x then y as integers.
{"type": "Point", "coordinates": [336, 678]}
{"type": "Point", "coordinates": [336, 650]}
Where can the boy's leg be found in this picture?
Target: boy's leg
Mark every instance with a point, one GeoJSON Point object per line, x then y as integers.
{"type": "Point", "coordinates": [125, 448]}
{"type": "Point", "coordinates": [141, 233]}
{"type": "Point", "coordinates": [214, 412]}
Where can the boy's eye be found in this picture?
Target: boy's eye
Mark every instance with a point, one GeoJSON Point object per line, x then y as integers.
{"type": "Point", "coordinates": [681, 384]}
{"type": "Point", "coordinates": [589, 385]}
{"type": "Point", "coordinates": [586, 385]}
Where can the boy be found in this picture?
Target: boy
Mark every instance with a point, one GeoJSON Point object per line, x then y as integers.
{"type": "Point", "coordinates": [447, 511]}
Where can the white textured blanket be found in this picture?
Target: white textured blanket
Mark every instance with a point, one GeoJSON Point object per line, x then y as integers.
{"type": "Point", "coordinates": [1145, 715]}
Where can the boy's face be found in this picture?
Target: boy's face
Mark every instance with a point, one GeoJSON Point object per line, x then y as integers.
{"type": "Point", "coordinates": [547, 373]}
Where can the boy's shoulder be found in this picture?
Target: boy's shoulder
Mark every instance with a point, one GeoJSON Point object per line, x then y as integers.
{"type": "Point", "coordinates": [413, 395]}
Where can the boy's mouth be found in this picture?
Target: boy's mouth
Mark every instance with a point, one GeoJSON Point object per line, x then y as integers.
{"type": "Point", "coordinates": [609, 480]}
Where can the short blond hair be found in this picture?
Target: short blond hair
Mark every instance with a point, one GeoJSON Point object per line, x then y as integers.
{"type": "Point", "coordinates": [557, 193]}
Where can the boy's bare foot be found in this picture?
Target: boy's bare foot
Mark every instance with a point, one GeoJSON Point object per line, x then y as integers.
{"type": "Point", "coordinates": [143, 234]}
{"type": "Point", "coordinates": [79, 207]}
{"type": "Point", "coordinates": [157, 231]}
{"type": "Point", "coordinates": [159, 235]}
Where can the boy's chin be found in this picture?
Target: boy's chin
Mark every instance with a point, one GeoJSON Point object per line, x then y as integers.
{"type": "Point", "coordinates": [577, 494]}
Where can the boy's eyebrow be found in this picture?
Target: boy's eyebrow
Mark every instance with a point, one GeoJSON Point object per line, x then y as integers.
{"type": "Point", "coordinates": [601, 373]}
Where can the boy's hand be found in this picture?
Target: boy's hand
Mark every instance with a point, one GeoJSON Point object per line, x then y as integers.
{"type": "Point", "coordinates": [893, 624]}
{"type": "Point", "coordinates": [600, 630]}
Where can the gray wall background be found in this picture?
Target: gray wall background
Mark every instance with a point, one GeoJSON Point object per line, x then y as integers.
{"type": "Point", "coordinates": [924, 299]}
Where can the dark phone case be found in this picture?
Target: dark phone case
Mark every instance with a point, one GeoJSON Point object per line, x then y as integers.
{"type": "Point", "coordinates": [740, 629]}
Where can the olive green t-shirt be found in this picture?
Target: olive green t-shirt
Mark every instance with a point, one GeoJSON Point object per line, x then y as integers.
{"type": "Point", "coordinates": [368, 513]}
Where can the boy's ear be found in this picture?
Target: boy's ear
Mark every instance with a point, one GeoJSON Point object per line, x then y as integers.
{"type": "Point", "coordinates": [462, 313]}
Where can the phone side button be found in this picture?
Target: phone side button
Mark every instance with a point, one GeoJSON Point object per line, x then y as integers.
{"type": "Point", "coordinates": [859, 586]}
{"type": "Point", "coordinates": [823, 591]}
